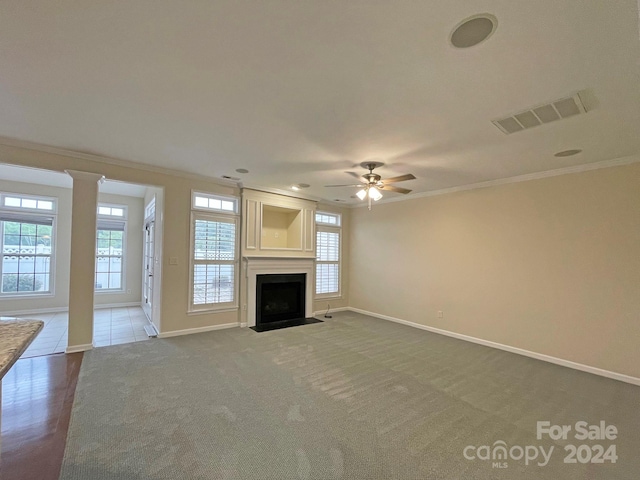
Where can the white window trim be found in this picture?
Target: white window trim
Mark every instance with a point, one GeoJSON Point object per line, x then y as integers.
{"type": "Point", "coordinates": [328, 227]}
{"type": "Point", "coordinates": [36, 211]}
{"type": "Point", "coordinates": [123, 273]}
{"type": "Point", "coordinates": [337, 216]}
{"type": "Point", "coordinates": [112, 217]}
{"type": "Point", "coordinates": [217, 216]}
{"type": "Point", "coordinates": [32, 212]}
{"type": "Point", "coordinates": [215, 196]}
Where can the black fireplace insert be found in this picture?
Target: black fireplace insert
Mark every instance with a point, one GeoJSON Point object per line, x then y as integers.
{"type": "Point", "coordinates": [280, 301]}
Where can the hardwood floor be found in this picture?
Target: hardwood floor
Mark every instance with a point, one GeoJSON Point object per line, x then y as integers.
{"type": "Point", "coordinates": [37, 396]}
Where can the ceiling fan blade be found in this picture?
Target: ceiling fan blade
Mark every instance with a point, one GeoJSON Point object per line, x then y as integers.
{"type": "Point", "coordinates": [353, 185]}
{"type": "Point", "coordinates": [392, 188]}
{"type": "Point", "coordinates": [354, 174]}
{"type": "Point", "coordinates": [401, 178]}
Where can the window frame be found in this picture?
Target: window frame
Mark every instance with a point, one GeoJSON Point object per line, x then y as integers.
{"type": "Point", "coordinates": [214, 196]}
{"type": "Point", "coordinates": [23, 215]}
{"type": "Point", "coordinates": [214, 215]}
{"type": "Point", "coordinates": [116, 218]}
{"type": "Point", "coordinates": [330, 228]}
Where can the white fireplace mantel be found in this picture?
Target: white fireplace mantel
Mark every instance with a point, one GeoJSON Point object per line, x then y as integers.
{"type": "Point", "coordinates": [277, 265]}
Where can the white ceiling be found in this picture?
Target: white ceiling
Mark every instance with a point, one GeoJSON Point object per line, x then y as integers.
{"type": "Point", "coordinates": [300, 92]}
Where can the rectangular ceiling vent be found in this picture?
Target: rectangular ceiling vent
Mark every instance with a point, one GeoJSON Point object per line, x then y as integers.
{"type": "Point", "coordinates": [562, 108]}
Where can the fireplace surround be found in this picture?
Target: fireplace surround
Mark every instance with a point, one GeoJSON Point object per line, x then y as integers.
{"type": "Point", "coordinates": [280, 266]}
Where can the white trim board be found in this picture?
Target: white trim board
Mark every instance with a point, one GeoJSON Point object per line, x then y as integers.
{"type": "Point", "coordinates": [519, 351]}
{"type": "Point", "coordinates": [117, 305]}
{"type": "Point", "coordinates": [79, 348]}
{"type": "Point", "coordinates": [44, 311]}
{"type": "Point", "coordinates": [331, 310]}
{"type": "Point", "coordinates": [34, 311]}
{"type": "Point", "coordinates": [189, 331]}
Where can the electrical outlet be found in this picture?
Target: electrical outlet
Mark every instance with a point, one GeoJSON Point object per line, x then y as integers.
{"type": "Point", "coordinates": [440, 314]}
{"type": "Point", "coordinates": [244, 307]}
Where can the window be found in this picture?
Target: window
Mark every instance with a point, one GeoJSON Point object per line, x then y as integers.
{"type": "Point", "coordinates": [213, 255]}
{"type": "Point", "coordinates": [110, 247]}
{"type": "Point", "coordinates": [206, 201]}
{"type": "Point", "coordinates": [26, 242]}
{"type": "Point", "coordinates": [328, 234]}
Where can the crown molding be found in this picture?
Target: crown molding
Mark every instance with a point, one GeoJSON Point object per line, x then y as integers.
{"type": "Point", "coordinates": [616, 162]}
{"type": "Point", "coordinates": [92, 157]}
{"type": "Point", "coordinates": [278, 191]}
{"type": "Point", "coordinates": [12, 142]}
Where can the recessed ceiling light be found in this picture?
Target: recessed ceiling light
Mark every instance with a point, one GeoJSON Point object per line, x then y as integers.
{"type": "Point", "coordinates": [473, 30]}
{"type": "Point", "coordinates": [242, 170]}
{"type": "Point", "coordinates": [567, 153]}
{"type": "Point", "coordinates": [303, 185]}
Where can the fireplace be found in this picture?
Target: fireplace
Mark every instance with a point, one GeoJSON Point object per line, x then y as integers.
{"type": "Point", "coordinates": [279, 298]}
{"type": "Point", "coordinates": [273, 273]}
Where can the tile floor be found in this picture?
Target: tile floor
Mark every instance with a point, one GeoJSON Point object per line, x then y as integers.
{"type": "Point", "coordinates": [111, 326]}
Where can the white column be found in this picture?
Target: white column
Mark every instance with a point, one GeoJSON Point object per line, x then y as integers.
{"type": "Point", "coordinates": [83, 259]}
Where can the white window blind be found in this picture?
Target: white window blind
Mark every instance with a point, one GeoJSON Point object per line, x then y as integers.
{"type": "Point", "coordinates": [327, 254]}
{"type": "Point", "coordinates": [213, 261]}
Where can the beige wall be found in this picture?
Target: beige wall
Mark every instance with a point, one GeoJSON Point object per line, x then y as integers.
{"type": "Point", "coordinates": [551, 265]}
{"type": "Point", "coordinates": [320, 304]}
{"type": "Point", "coordinates": [133, 252]}
{"type": "Point", "coordinates": [175, 241]}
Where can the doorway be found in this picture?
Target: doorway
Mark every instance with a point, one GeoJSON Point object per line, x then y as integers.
{"type": "Point", "coordinates": [149, 256]}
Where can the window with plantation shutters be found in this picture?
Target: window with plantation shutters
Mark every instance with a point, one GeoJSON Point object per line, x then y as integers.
{"type": "Point", "coordinates": [110, 247]}
{"type": "Point", "coordinates": [26, 244]}
{"type": "Point", "coordinates": [328, 234]}
{"type": "Point", "coordinates": [213, 261]}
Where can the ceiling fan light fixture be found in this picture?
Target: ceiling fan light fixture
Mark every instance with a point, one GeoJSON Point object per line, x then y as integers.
{"type": "Point", "coordinates": [374, 194]}
{"type": "Point", "coordinates": [361, 194]}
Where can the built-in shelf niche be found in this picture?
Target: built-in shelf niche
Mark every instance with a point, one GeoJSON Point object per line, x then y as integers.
{"type": "Point", "coordinates": [281, 228]}
{"type": "Point", "coordinates": [277, 225]}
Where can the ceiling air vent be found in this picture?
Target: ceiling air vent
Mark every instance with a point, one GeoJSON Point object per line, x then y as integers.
{"type": "Point", "coordinates": [562, 108]}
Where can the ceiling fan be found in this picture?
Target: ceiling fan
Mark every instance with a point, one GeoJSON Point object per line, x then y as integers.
{"type": "Point", "coordinates": [372, 183]}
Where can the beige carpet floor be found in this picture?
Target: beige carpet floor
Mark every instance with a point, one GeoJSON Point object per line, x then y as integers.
{"type": "Point", "coordinates": [352, 398]}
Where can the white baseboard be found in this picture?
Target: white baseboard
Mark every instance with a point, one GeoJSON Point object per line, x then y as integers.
{"type": "Point", "coordinates": [339, 309]}
{"type": "Point", "coordinates": [79, 348]}
{"type": "Point", "coordinates": [41, 311]}
{"type": "Point", "coordinates": [117, 305]}
{"type": "Point", "coordinates": [520, 351]}
{"type": "Point", "coordinates": [189, 331]}
{"type": "Point", "coordinates": [34, 311]}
